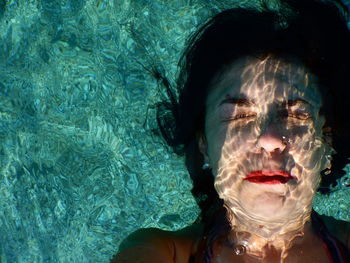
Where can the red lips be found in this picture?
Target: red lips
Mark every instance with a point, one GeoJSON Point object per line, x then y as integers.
{"type": "Point", "coordinates": [269, 177]}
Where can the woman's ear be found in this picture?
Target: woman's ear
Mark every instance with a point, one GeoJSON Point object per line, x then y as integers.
{"type": "Point", "coordinates": [328, 136]}
{"type": "Point", "coordinates": [328, 140]}
{"type": "Point", "coordinates": [203, 147]}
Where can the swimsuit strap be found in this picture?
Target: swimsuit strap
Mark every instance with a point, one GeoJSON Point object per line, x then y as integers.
{"type": "Point", "coordinates": [337, 251]}
{"type": "Point", "coordinates": [198, 257]}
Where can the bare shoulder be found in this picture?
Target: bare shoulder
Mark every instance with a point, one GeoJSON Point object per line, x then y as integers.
{"type": "Point", "coordinates": [338, 228]}
{"type": "Point", "coordinates": [156, 245]}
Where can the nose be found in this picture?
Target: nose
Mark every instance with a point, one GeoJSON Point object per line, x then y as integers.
{"type": "Point", "coordinates": [271, 141]}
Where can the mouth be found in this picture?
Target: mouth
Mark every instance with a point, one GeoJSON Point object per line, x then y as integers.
{"type": "Point", "coordinates": [268, 177]}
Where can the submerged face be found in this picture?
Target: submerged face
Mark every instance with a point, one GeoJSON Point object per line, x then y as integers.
{"type": "Point", "coordinates": [263, 137]}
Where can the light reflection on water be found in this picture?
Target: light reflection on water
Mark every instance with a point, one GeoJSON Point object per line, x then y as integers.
{"type": "Point", "coordinates": [79, 169]}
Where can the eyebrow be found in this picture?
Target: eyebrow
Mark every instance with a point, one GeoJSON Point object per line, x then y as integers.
{"type": "Point", "coordinates": [239, 101]}
{"type": "Point", "coordinates": [296, 102]}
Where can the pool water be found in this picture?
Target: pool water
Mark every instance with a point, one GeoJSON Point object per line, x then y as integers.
{"type": "Point", "coordinates": [81, 165]}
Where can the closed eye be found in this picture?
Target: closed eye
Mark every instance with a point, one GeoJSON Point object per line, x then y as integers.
{"type": "Point", "coordinates": [242, 116]}
{"type": "Point", "coordinates": [300, 116]}
{"type": "Point", "coordinates": [296, 115]}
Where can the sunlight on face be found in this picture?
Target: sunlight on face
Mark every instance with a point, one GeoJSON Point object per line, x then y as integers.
{"type": "Point", "coordinates": [264, 138]}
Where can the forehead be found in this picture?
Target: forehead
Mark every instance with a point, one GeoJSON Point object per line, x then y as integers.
{"type": "Point", "coordinates": [265, 81]}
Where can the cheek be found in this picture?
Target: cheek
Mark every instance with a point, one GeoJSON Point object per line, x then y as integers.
{"type": "Point", "coordinates": [307, 146]}
{"type": "Point", "coordinates": [242, 135]}
{"type": "Point", "coordinates": [309, 162]}
{"type": "Point", "coordinates": [216, 140]}
{"type": "Point", "coordinates": [227, 143]}
{"type": "Point", "coordinates": [317, 159]}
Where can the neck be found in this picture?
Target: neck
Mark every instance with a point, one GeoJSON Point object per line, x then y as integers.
{"type": "Point", "coordinates": [262, 237]}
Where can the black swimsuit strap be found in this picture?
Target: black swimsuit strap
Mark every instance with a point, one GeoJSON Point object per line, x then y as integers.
{"type": "Point", "coordinates": [338, 251]}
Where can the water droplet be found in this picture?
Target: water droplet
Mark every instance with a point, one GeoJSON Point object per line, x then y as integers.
{"type": "Point", "coordinates": [239, 250]}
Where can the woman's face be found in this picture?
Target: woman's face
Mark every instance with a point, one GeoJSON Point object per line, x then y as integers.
{"type": "Point", "coordinates": [263, 137]}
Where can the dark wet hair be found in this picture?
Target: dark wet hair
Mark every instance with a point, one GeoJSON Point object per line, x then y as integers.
{"type": "Point", "coordinates": [314, 32]}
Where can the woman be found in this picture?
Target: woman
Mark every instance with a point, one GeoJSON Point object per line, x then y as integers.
{"type": "Point", "coordinates": [262, 113]}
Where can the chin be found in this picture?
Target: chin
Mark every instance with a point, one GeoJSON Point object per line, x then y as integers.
{"type": "Point", "coordinates": [265, 202]}
{"type": "Point", "coordinates": [268, 206]}
{"type": "Point", "coordinates": [277, 203]}
{"type": "Point", "coordinates": [277, 207]}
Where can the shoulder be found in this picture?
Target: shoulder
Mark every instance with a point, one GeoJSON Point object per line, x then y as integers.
{"type": "Point", "coordinates": [338, 228]}
{"type": "Point", "coordinates": [155, 245]}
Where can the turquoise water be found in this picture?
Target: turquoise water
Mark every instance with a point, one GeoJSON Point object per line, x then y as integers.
{"type": "Point", "coordinates": [80, 167]}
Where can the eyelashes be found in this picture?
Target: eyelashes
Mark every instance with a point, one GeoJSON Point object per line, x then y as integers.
{"type": "Point", "coordinates": [243, 116]}
{"type": "Point", "coordinates": [298, 115]}
{"type": "Point", "coordinates": [289, 115]}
